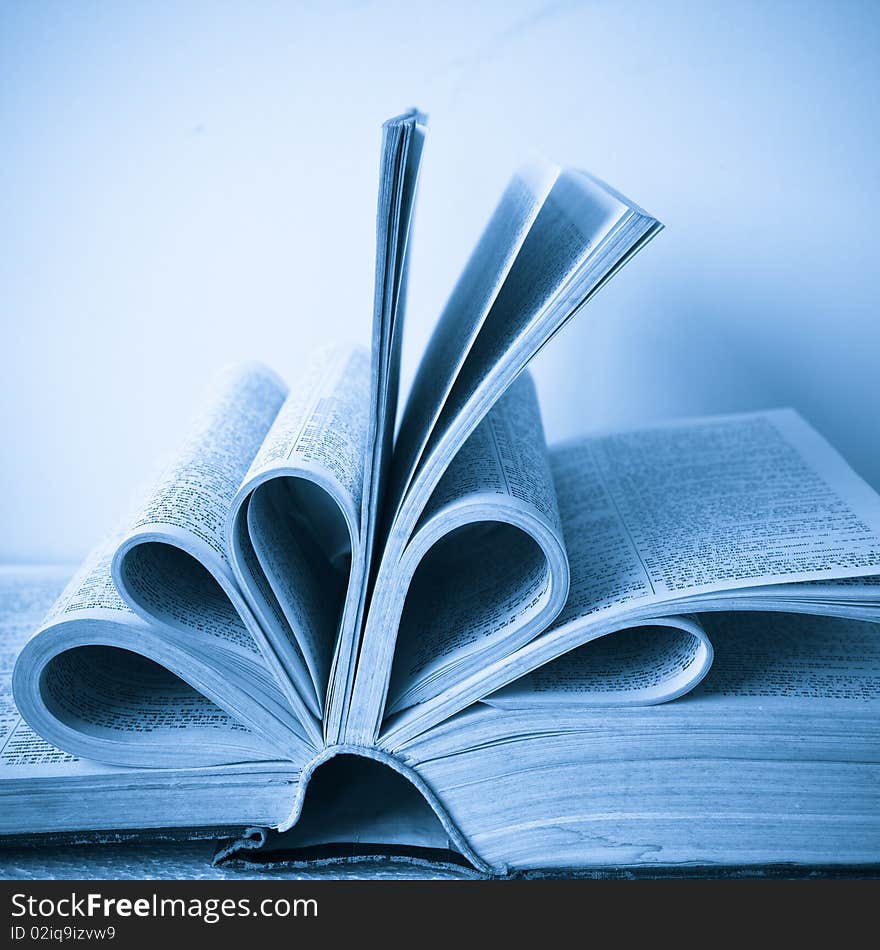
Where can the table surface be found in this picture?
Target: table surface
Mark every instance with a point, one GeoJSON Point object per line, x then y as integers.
{"type": "Point", "coordinates": [161, 860]}
{"type": "Point", "coordinates": [191, 860]}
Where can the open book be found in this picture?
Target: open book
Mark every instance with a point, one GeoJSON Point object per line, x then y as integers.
{"type": "Point", "coordinates": [457, 626]}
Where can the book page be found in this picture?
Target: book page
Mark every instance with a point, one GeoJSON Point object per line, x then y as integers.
{"type": "Point", "coordinates": [632, 666]}
{"type": "Point", "coordinates": [505, 456]}
{"type": "Point", "coordinates": [322, 422]}
{"type": "Point", "coordinates": [606, 570]}
{"type": "Point", "coordinates": [172, 564]}
{"type": "Point", "coordinates": [580, 236]}
{"type": "Point", "coordinates": [44, 789]}
{"type": "Point", "coordinates": [574, 219]}
{"type": "Point", "coordinates": [854, 597]}
{"type": "Point", "coordinates": [464, 314]}
{"type": "Point", "coordinates": [738, 501]}
{"type": "Point", "coordinates": [96, 679]}
{"type": "Point", "coordinates": [196, 490]}
{"type": "Point", "coordinates": [760, 655]}
{"type": "Point", "coordinates": [655, 520]}
{"type": "Point", "coordinates": [295, 520]}
{"type": "Point", "coordinates": [485, 581]}
{"type": "Point", "coordinates": [104, 691]}
{"type": "Point", "coordinates": [709, 505]}
{"type": "Point", "coordinates": [176, 581]}
{"type": "Point", "coordinates": [795, 656]}
{"type": "Point", "coordinates": [400, 162]}
{"type": "Point", "coordinates": [26, 595]}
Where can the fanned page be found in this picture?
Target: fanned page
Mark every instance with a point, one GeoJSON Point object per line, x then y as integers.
{"type": "Point", "coordinates": [752, 511]}
{"type": "Point", "coordinates": [294, 525]}
{"type": "Point", "coordinates": [46, 790]}
{"type": "Point", "coordinates": [402, 141]}
{"type": "Point", "coordinates": [486, 569]}
{"type": "Point", "coordinates": [102, 683]}
{"type": "Point", "coordinates": [239, 581]}
{"type": "Point", "coordinates": [223, 590]}
{"type": "Point", "coordinates": [555, 238]}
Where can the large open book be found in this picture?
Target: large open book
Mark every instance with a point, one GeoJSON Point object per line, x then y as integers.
{"type": "Point", "coordinates": [456, 637]}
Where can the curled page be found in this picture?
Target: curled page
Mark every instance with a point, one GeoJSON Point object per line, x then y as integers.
{"type": "Point", "coordinates": [45, 790]}
{"type": "Point", "coordinates": [293, 528]}
{"type": "Point", "coordinates": [554, 240]}
{"type": "Point", "coordinates": [402, 141]}
{"type": "Point", "coordinates": [772, 758]}
{"type": "Point", "coordinates": [172, 565]}
{"type": "Point", "coordinates": [486, 569]}
{"type": "Point", "coordinates": [646, 663]}
{"type": "Point", "coordinates": [759, 497]}
{"type": "Point", "coordinates": [100, 682]}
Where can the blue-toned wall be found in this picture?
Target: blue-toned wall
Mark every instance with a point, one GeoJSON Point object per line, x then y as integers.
{"type": "Point", "coordinates": [184, 185]}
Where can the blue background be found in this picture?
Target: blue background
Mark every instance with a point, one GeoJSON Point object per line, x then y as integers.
{"type": "Point", "coordinates": [185, 184]}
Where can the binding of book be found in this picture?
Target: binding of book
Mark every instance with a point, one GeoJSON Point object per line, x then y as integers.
{"type": "Point", "coordinates": [458, 638]}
